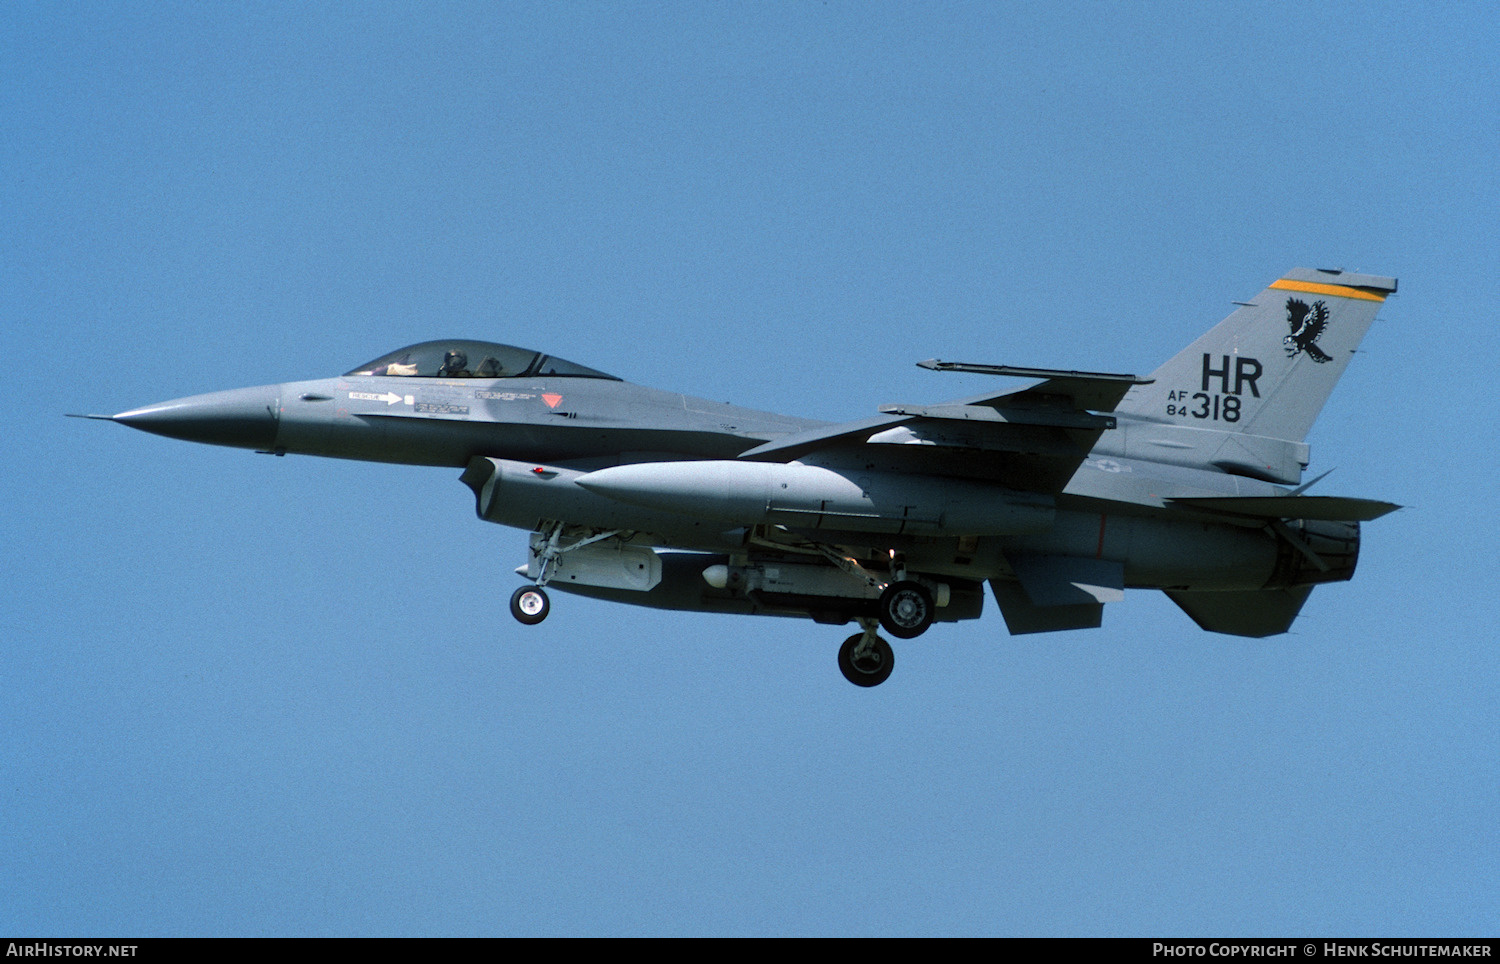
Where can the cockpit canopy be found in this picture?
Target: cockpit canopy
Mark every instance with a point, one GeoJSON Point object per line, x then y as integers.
{"type": "Point", "coordinates": [472, 359]}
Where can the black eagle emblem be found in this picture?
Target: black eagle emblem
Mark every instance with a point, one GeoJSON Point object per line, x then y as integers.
{"type": "Point", "coordinates": [1307, 324]}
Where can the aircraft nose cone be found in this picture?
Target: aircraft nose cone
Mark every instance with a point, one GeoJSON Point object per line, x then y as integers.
{"type": "Point", "coordinates": [244, 418]}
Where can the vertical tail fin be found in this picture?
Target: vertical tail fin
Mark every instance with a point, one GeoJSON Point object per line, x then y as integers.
{"type": "Point", "coordinates": [1268, 368]}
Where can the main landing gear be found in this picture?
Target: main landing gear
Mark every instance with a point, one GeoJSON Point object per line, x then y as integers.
{"type": "Point", "coordinates": [865, 659]}
{"type": "Point", "coordinates": [906, 609]}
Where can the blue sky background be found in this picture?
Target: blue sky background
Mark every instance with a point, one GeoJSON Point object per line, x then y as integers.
{"type": "Point", "coordinates": [233, 702]}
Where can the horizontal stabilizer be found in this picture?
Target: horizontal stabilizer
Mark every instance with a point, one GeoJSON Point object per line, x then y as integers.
{"type": "Point", "coordinates": [1257, 613]}
{"type": "Point", "coordinates": [1325, 508]}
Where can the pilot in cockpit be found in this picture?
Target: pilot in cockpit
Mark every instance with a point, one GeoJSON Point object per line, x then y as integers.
{"type": "Point", "coordinates": [455, 365]}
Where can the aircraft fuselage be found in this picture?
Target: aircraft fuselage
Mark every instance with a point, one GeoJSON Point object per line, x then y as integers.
{"type": "Point", "coordinates": [544, 434]}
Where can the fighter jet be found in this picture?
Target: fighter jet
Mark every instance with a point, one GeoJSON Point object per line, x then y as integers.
{"type": "Point", "coordinates": [1059, 495]}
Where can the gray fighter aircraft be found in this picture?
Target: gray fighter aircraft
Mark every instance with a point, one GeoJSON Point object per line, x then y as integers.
{"type": "Point", "coordinates": [1060, 495]}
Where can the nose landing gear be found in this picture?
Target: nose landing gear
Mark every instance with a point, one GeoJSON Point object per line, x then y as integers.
{"type": "Point", "coordinates": [530, 605]}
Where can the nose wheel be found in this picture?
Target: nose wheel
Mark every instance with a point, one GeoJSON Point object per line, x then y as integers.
{"type": "Point", "coordinates": [530, 605]}
{"type": "Point", "coordinates": [865, 659]}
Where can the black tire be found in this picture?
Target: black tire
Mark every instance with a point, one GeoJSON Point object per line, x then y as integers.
{"type": "Point", "coordinates": [530, 605]}
{"type": "Point", "coordinates": [906, 609]}
{"type": "Point", "coordinates": [871, 669]}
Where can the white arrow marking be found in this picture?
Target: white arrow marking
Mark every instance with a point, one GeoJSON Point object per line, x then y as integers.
{"type": "Point", "coordinates": [390, 398]}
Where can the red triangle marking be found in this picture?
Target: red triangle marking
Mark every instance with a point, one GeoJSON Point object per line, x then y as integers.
{"type": "Point", "coordinates": [551, 400]}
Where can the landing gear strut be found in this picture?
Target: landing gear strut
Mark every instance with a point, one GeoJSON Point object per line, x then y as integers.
{"type": "Point", "coordinates": [530, 604]}
{"type": "Point", "coordinates": [865, 659]}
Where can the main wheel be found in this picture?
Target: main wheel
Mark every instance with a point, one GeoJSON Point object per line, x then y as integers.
{"type": "Point", "coordinates": [530, 605]}
{"type": "Point", "coordinates": [906, 609]}
{"type": "Point", "coordinates": [869, 668]}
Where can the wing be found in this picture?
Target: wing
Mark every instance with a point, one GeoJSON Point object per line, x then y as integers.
{"type": "Point", "coordinates": [1033, 439]}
